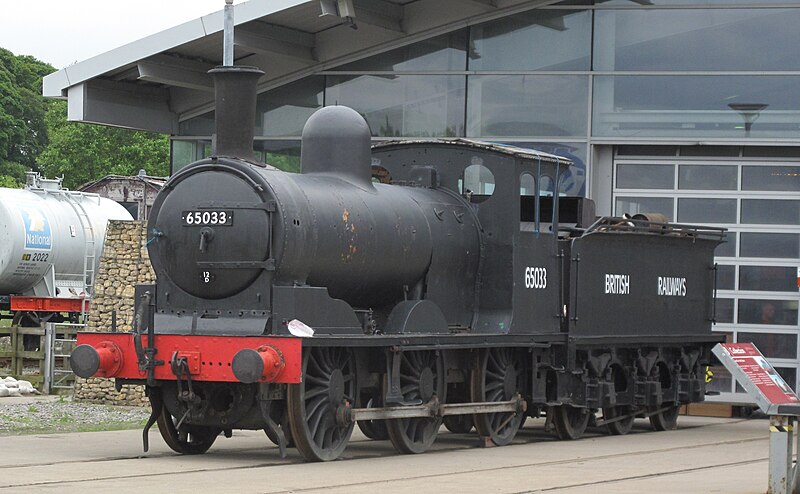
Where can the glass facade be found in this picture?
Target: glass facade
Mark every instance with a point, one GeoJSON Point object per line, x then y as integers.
{"type": "Point", "coordinates": [618, 86]}
{"type": "Point", "coordinates": [756, 199]}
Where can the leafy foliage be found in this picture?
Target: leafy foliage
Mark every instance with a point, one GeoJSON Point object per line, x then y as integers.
{"type": "Point", "coordinates": [35, 134]}
{"type": "Point", "coordinates": [23, 133]}
{"type": "Point", "coordinates": [84, 152]}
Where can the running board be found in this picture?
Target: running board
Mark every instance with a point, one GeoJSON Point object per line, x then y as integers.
{"type": "Point", "coordinates": [432, 409]}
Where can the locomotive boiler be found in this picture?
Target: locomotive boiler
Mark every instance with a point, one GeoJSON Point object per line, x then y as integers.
{"type": "Point", "coordinates": [50, 242]}
{"type": "Point", "coordinates": [401, 287]}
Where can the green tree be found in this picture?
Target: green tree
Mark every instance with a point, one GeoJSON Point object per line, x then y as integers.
{"type": "Point", "coordinates": [85, 152]}
{"type": "Point", "coordinates": [23, 133]}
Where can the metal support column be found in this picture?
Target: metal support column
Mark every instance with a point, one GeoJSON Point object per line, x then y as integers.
{"type": "Point", "coordinates": [49, 360]}
{"type": "Point", "coordinates": [783, 474]}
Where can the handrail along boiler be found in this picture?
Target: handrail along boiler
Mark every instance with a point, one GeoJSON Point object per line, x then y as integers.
{"type": "Point", "coordinates": [443, 282]}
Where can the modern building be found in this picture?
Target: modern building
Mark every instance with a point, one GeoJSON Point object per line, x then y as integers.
{"type": "Point", "coordinates": [690, 108]}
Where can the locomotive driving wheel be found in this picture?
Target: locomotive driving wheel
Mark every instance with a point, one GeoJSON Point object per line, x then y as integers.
{"type": "Point", "coordinates": [569, 422]}
{"type": "Point", "coordinates": [186, 439]}
{"type": "Point", "coordinates": [421, 378]}
{"type": "Point", "coordinates": [329, 381]}
{"type": "Point", "coordinates": [499, 376]}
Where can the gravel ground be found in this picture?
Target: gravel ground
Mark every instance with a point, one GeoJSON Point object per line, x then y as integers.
{"type": "Point", "coordinates": [53, 414]}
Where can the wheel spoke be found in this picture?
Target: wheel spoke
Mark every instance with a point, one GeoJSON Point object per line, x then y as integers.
{"type": "Point", "coordinates": [493, 385]}
{"type": "Point", "coordinates": [317, 408]}
{"type": "Point", "coordinates": [494, 375]}
{"type": "Point", "coordinates": [322, 382]}
{"type": "Point", "coordinates": [310, 408]}
{"type": "Point", "coordinates": [416, 435]}
{"type": "Point", "coordinates": [489, 385]}
{"type": "Point", "coordinates": [314, 393]}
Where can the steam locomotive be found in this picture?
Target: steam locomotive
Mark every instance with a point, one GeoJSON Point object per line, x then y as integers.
{"type": "Point", "coordinates": [401, 287]}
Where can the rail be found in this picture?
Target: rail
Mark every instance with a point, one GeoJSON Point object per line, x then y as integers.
{"type": "Point", "coordinates": [615, 224]}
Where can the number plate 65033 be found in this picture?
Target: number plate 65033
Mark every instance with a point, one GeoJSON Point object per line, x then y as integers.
{"type": "Point", "coordinates": [207, 217]}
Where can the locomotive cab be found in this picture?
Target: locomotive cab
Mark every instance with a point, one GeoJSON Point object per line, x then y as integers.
{"type": "Point", "coordinates": [512, 192]}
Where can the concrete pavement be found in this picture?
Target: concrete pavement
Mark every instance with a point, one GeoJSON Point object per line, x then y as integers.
{"type": "Point", "coordinates": [704, 455]}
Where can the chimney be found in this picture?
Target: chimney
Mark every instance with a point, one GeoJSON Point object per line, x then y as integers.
{"type": "Point", "coordinates": [235, 99]}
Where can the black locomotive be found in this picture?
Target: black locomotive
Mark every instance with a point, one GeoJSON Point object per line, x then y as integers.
{"type": "Point", "coordinates": [399, 287]}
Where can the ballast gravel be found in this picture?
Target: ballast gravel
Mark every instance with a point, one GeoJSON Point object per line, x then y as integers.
{"type": "Point", "coordinates": [51, 414]}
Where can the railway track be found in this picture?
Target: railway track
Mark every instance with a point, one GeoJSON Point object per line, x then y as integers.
{"type": "Point", "coordinates": [251, 464]}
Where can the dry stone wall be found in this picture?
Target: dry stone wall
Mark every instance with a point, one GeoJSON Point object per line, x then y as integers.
{"type": "Point", "coordinates": [123, 265]}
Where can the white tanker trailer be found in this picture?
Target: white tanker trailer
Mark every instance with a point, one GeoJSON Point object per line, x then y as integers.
{"type": "Point", "coordinates": [51, 240]}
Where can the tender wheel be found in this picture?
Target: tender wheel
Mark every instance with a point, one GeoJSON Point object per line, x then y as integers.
{"type": "Point", "coordinates": [499, 376]}
{"type": "Point", "coordinates": [189, 439]}
{"type": "Point", "coordinates": [421, 378]}
{"type": "Point", "coordinates": [619, 427]}
{"type": "Point", "coordinates": [329, 380]}
{"type": "Point", "coordinates": [569, 422]}
{"type": "Point", "coordinates": [373, 429]}
{"type": "Point", "coordinates": [666, 420]}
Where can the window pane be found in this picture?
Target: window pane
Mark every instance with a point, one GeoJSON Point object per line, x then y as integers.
{"type": "Point", "coordinates": [694, 106]}
{"type": "Point", "coordinates": [781, 178]}
{"type": "Point", "coordinates": [636, 205]}
{"type": "Point", "coordinates": [724, 311]}
{"type": "Point", "coordinates": [707, 210]}
{"type": "Point", "coordinates": [771, 212]}
{"type": "Point", "coordinates": [707, 177]}
{"type": "Point", "coordinates": [789, 374]}
{"type": "Point", "coordinates": [768, 278]}
{"type": "Point", "coordinates": [281, 154]}
{"type": "Point", "coordinates": [446, 52]}
{"type": "Point", "coordinates": [284, 111]}
{"type": "Point", "coordinates": [533, 40]}
{"type": "Point", "coordinates": [711, 151]}
{"type": "Point", "coordinates": [182, 154]}
{"type": "Point", "coordinates": [527, 185]}
{"type": "Point", "coordinates": [727, 248]}
{"type": "Point", "coordinates": [722, 381]}
{"type": "Point", "coordinates": [726, 277]}
{"type": "Point", "coordinates": [772, 345]}
{"type": "Point", "coordinates": [645, 177]}
{"type": "Point", "coordinates": [782, 245]}
{"type": "Point", "coordinates": [646, 150]}
{"type": "Point", "coordinates": [546, 186]}
{"type": "Point", "coordinates": [573, 182]}
{"type": "Point", "coordinates": [407, 106]}
{"type": "Point", "coordinates": [731, 39]}
{"type": "Point", "coordinates": [768, 312]}
{"type": "Point", "coordinates": [202, 125]}
{"type": "Point", "coordinates": [527, 105]}
{"type": "Point", "coordinates": [478, 180]}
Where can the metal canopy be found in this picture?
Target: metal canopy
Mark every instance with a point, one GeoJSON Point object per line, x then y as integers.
{"type": "Point", "coordinates": [157, 81]}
